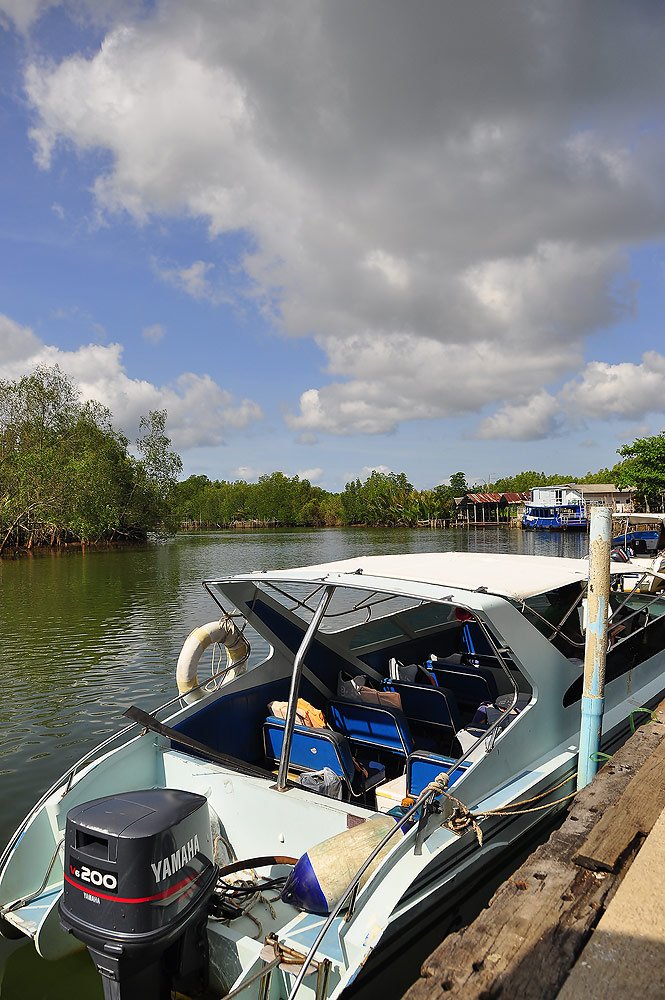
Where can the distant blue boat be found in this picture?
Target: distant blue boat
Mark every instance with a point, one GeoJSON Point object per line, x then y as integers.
{"type": "Point", "coordinates": [555, 508]}
{"type": "Point", "coordinates": [638, 542]}
{"type": "Point", "coordinates": [555, 517]}
{"type": "Point", "coordinates": [641, 534]}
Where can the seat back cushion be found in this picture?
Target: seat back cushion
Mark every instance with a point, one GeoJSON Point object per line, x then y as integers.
{"type": "Point", "coordinates": [312, 749]}
{"type": "Point", "coordinates": [423, 767]}
{"type": "Point", "coordinates": [373, 726]}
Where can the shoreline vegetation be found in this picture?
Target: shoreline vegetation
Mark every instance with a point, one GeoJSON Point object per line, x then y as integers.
{"type": "Point", "coordinates": [69, 479]}
{"type": "Point", "coordinates": [67, 476]}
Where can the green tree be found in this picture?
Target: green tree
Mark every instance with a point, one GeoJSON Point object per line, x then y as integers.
{"type": "Point", "coordinates": [157, 471]}
{"type": "Point", "coordinates": [351, 503]}
{"type": "Point", "coordinates": [186, 497]}
{"type": "Point", "coordinates": [100, 476]}
{"type": "Point", "coordinates": [65, 471]}
{"type": "Point", "coordinates": [386, 498]}
{"type": "Point", "coordinates": [332, 509]}
{"type": "Point", "coordinates": [643, 469]}
{"type": "Point", "coordinates": [458, 484]}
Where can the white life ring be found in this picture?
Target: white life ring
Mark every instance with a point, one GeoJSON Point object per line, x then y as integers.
{"type": "Point", "coordinates": [237, 654]}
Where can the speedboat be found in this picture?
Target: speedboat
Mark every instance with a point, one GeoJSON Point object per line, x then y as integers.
{"type": "Point", "coordinates": [415, 717]}
{"type": "Point", "coordinates": [638, 533]}
{"type": "Point", "coordinates": [639, 541]}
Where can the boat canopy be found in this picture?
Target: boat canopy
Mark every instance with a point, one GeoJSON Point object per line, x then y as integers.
{"type": "Point", "coordinates": [513, 576]}
{"type": "Point", "coordinates": [629, 519]}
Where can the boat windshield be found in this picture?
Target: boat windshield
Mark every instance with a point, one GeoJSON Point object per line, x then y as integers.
{"type": "Point", "coordinates": [557, 615]}
{"type": "Point", "coordinates": [348, 608]}
{"type": "Point", "coordinates": [636, 602]}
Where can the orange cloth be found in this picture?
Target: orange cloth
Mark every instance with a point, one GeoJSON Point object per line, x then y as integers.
{"type": "Point", "coordinates": [306, 714]}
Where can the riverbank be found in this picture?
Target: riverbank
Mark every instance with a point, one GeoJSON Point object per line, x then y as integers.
{"type": "Point", "coordinates": [70, 548]}
{"type": "Point", "coordinates": [236, 527]}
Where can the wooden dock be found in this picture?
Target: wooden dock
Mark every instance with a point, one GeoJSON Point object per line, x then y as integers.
{"type": "Point", "coordinates": [584, 916]}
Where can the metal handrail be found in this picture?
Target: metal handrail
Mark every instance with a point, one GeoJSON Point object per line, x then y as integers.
{"type": "Point", "coordinates": [298, 663]}
{"type": "Point", "coordinates": [18, 903]}
{"type": "Point", "coordinates": [556, 629]}
{"type": "Point", "coordinates": [427, 793]}
{"type": "Point", "coordinates": [68, 775]}
{"type": "Point", "coordinates": [422, 798]}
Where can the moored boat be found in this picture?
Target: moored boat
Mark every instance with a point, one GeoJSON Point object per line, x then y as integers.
{"type": "Point", "coordinates": [555, 508]}
{"type": "Point", "coordinates": [557, 517]}
{"type": "Point", "coordinates": [390, 748]}
{"type": "Point", "coordinates": [639, 534]}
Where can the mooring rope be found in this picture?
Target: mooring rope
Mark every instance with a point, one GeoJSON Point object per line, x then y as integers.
{"type": "Point", "coordinates": [462, 817]}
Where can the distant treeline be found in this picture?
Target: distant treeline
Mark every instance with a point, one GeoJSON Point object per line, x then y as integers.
{"type": "Point", "coordinates": [66, 475]}
{"type": "Point", "coordinates": [383, 499]}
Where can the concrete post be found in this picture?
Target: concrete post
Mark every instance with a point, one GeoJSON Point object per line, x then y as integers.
{"type": "Point", "coordinates": [595, 652]}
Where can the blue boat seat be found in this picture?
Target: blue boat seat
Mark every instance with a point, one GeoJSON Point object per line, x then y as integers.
{"type": "Point", "coordinates": [376, 726]}
{"type": "Point", "coordinates": [471, 686]}
{"type": "Point", "coordinates": [426, 707]}
{"type": "Point", "coordinates": [422, 767]}
{"type": "Point", "coordinates": [314, 749]}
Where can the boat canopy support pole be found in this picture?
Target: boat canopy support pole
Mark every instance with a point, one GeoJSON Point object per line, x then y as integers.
{"type": "Point", "coordinates": [298, 663]}
{"type": "Point", "coordinates": [595, 652]}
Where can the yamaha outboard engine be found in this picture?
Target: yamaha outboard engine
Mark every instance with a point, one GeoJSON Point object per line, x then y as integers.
{"type": "Point", "coordinates": [139, 876]}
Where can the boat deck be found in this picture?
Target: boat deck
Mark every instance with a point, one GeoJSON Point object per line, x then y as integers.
{"type": "Point", "coordinates": [28, 918]}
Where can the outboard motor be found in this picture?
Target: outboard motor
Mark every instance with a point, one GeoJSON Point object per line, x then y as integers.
{"type": "Point", "coordinates": [139, 874]}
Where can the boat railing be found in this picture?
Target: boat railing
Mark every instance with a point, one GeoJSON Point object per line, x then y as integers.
{"type": "Point", "coordinates": [650, 598]}
{"type": "Point", "coordinates": [634, 613]}
{"type": "Point", "coordinates": [67, 778]}
{"type": "Point", "coordinates": [557, 629]}
{"type": "Point", "coordinates": [349, 893]}
{"type": "Point", "coordinates": [433, 789]}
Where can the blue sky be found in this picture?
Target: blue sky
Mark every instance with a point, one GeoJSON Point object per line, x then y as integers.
{"type": "Point", "coordinates": [330, 237]}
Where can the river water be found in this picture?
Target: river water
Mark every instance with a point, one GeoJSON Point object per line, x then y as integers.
{"type": "Point", "coordinates": [86, 634]}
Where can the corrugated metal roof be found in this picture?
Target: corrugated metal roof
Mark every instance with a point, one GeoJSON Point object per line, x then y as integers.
{"type": "Point", "coordinates": [484, 497]}
{"type": "Point", "coordinates": [601, 488]}
{"type": "Point", "coordinates": [495, 497]}
{"type": "Point", "coordinates": [516, 497]}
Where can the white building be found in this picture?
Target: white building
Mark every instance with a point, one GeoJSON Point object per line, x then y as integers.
{"type": "Point", "coordinates": [608, 495]}
{"type": "Point", "coordinates": [551, 496]}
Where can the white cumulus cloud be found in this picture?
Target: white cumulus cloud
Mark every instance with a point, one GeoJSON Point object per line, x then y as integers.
{"type": "Point", "coordinates": [245, 472]}
{"type": "Point", "coordinates": [537, 417]}
{"type": "Point", "coordinates": [313, 475]}
{"type": "Point", "coordinates": [195, 280]}
{"type": "Point", "coordinates": [446, 201]}
{"type": "Point", "coordinates": [153, 333]}
{"type": "Point", "coordinates": [369, 469]}
{"type": "Point", "coordinates": [199, 410]}
{"type": "Point", "coordinates": [622, 390]}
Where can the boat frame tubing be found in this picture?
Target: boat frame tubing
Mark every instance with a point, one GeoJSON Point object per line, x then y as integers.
{"type": "Point", "coordinates": [298, 663]}
{"type": "Point", "coordinates": [595, 652]}
{"type": "Point", "coordinates": [428, 793]}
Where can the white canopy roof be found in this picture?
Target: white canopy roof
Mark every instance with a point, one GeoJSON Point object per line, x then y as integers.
{"type": "Point", "coordinates": [656, 518]}
{"type": "Point", "coordinates": [514, 576]}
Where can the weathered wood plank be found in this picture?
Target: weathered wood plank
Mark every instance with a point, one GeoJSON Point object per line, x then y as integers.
{"type": "Point", "coordinates": [628, 821]}
{"type": "Point", "coordinates": [625, 956]}
{"type": "Point", "coordinates": [522, 946]}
